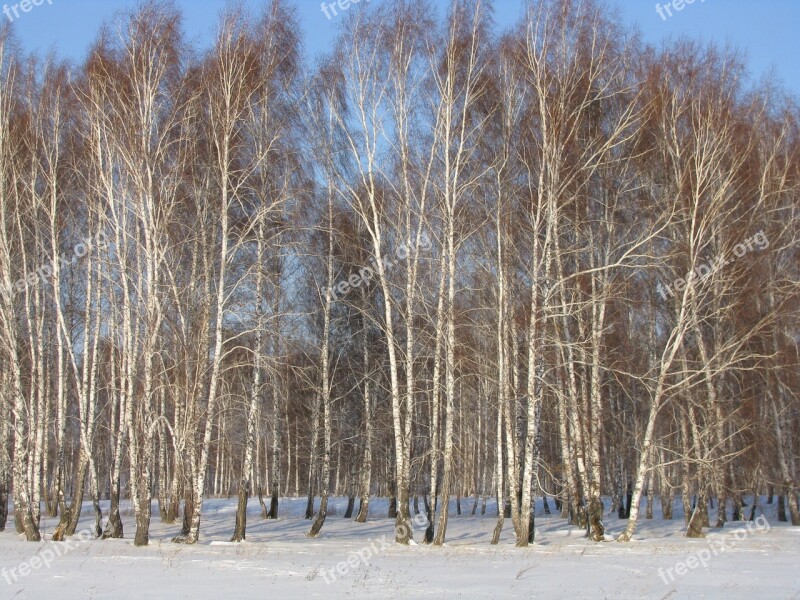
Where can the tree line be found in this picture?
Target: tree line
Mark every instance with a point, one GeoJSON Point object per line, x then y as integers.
{"type": "Point", "coordinates": [440, 262]}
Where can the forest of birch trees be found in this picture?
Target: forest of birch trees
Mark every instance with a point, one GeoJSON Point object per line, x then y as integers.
{"type": "Point", "coordinates": [441, 264]}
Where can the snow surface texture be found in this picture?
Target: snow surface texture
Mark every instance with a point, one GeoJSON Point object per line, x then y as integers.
{"type": "Point", "coordinates": [353, 560]}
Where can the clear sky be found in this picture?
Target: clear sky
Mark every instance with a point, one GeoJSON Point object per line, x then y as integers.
{"type": "Point", "coordinates": [767, 30]}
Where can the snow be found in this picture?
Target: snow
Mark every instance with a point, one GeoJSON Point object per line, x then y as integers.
{"type": "Point", "coordinates": [278, 561]}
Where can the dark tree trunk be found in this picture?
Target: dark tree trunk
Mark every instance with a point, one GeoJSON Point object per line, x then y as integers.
{"type": "Point", "coordinates": [60, 532]}
{"type": "Point", "coordinates": [273, 505]}
{"type": "Point", "coordinates": [188, 509]}
{"type": "Point", "coordinates": [240, 529]}
{"type": "Point", "coordinates": [789, 500]}
{"type": "Point", "coordinates": [596, 528]}
{"type": "Point", "coordinates": [722, 513]}
{"type": "Point", "coordinates": [666, 506]}
{"type": "Point", "coordinates": [781, 509]}
{"type": "Point", "coordinates": [173, 508]}
{"type": "Point", "coordinates": [704, 513]}
{"type": "Point", "coordinates": [77, 499]}
{"type": "Point", "coordinates": [363, 509]}
{"type": "Point", "coordinates": [392, 501]}
{"type": "Point", "coordinates": [628, 501]}
{"type": "Point", "coordinates": [3, 502]}
{"type": "Point", "coordinates": [351, 502]}
{"type": "Point", "coordinates": [321, 514]}
{"type": "Point", "coordinates": [752, 516]}
{"type": "Point", "coordinates": [531, 527]}
{"type": "Point", "coordinates": [20, 526]}
{"type": "Point", "coordinates": [429, 531]}
{"type": "Point", "coordinates": [98, 518]}
{"type": "Point", "coordinates": [737, 509]}
{"type": "Point", "coordinates": [69, 518]}
{"type": "Point", "coordinates": [794, 509]}
{"type": "Point", "coordinates": [114, 525]}
{"type": "Point", "coordinates": [309, 507]}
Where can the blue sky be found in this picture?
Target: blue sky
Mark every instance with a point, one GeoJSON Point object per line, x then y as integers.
{"type": "Point", "coordinates": [767, 30]}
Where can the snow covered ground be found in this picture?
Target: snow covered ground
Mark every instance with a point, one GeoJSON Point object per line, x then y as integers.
{"type": "Point", "coordinates": [352, 560]}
